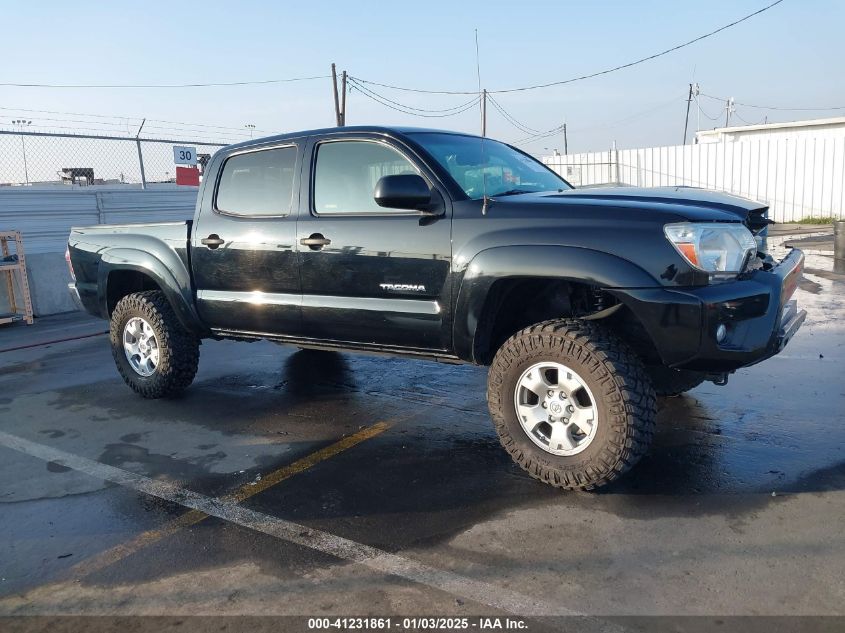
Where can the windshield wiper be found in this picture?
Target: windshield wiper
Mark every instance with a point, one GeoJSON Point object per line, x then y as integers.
{"type": "Point", "coordinates": [513, 192]}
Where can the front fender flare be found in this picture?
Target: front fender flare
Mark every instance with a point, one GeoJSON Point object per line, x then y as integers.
{"type": "Point", "coordinates": [564, 263]}
{"type": "Point", "coordinates": [166, 270]}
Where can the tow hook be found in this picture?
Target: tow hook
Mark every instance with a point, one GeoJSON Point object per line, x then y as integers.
{"type": "Point", "coordinates": [720, 379]}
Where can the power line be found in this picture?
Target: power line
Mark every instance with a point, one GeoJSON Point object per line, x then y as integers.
{"type": "Point", "coordinates": [99, 116]}
{"type": "Point", "coordinates": [636, 115]}
{"type": "Point", "coordinates": [762, 107]}
{"type": "Point", "coordinates": [406, 110]}
{"type": "Point", "coordinates": [107, 126]}
{"type": "Point", "coordinates": [511, 119]}
{"type": "Point", "coordinates": [591, 75]}
{"type": "Point", "coordinates": [115, 129]}
{"type": "Point", "coordinates": [701, 110]}
{"type": "Point", "coordinates": [62, 120]}
{"type": "Point", "coordinates": [472, 101]}
{"type": "Point", "coordinates": [47, 129]}
{"type": "Point", "coordinates": [607, 126]}
{"type": "Point", "coordinates": [126, 119]}
{"type": "Point", "coordinates": [737, 115]}
{"type": "Point", "coordinates": [123, 126]}
{"type": "Point", "coordinates": [537, 137]}
{"type": "Point", "coordinates": [191, 85]}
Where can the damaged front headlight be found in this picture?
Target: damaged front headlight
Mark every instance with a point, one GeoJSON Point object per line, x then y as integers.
{"type": "Point", "coordinates": [719, 248]}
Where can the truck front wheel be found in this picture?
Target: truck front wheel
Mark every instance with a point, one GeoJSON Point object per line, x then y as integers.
{"type": "Point", "coordinates": [155, 355]}
{"type": "Point", "coordinates": [571, 403]}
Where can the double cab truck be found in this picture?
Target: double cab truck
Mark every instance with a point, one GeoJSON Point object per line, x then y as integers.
{"type": "Point", "coordinates": [585, 304]}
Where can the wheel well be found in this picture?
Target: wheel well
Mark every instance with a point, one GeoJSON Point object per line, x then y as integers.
{"type": "Point", "coordinates": [124, 282]}
{"type": "Point", "coordinates": [515, 303]}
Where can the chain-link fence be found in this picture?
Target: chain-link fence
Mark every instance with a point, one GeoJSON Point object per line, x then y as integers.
{"type": "Point", "coordinates": [43, 159]}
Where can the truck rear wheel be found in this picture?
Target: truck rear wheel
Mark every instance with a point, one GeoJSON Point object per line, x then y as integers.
{"type": "Point", "coordinates": [673, 382]}
{"type": "Point", "coordinates": [155, 355]}
{"type": "Point", "coordinates": [571, 403]}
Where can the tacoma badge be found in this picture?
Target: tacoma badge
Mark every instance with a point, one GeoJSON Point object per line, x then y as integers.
{"type": "Point", "coordinates": [403, 287]}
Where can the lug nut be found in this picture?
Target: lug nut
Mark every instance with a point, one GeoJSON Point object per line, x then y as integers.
{"type": "Point", "coordinates": [551, 393]}
{"type": "Point", "coordinates": [545, 405]}
{"type": "Point", "coordinates": [570, 408]}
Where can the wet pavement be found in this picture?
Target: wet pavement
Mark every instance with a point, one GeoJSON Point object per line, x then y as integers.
{"type": "Point", "coordinates": [738, 508]}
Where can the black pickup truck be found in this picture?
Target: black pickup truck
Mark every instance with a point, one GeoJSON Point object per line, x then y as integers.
{"type": "Point", "coordinates": [586, 304]}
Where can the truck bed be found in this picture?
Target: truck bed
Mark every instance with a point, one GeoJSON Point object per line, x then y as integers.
{"type": "Point", "coordinates": [161, 247]}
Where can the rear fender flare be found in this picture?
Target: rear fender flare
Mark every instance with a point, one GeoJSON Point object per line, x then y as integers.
{"type": "Point", "coordinates": [564, 263]}
{"type": "Point", "coordinates": [164, 268]}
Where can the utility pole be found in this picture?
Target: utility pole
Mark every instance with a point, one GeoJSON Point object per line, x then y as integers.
{"type": "Point", "coordinates": [565, 141]}
{"type": "Point", "coordinates": [484, 112]}
{"type": "Point", "coordinates": [336, 101]}
{"type": "Point", "coordinates": [251, 128]}
{"type": "Point", "coordinates": [729, 109]}
{"type": "Point", "coordinates": [686, 120]}
{"type": "Point", "coordinates": [694, 89]}
{"type": "Point", "coordinates": [343, 98]}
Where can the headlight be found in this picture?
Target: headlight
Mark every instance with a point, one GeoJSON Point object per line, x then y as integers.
{"type": "Point", "coordinates": [713, 247]}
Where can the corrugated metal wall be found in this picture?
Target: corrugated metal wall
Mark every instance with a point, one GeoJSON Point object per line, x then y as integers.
{"type": "Point", "coordinates": [44, 216]}
{"type": "Point", "coordinates": [803, 178]}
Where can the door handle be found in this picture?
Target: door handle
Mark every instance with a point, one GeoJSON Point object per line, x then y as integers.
{"type": "Point", "coordinates": [212, 241]}
{"type": "Point", "coordinates": [315, 242]}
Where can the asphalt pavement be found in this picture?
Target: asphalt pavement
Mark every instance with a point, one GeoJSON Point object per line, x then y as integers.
{"type": "Point", "coordinates": [292, 482]}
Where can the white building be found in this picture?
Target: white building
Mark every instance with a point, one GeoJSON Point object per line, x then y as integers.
{"type": "Point", "coordinates": [792, 130]}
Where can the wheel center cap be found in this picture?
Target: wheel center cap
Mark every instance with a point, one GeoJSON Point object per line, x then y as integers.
{"type": "Point", "coordinates": [555, 407]}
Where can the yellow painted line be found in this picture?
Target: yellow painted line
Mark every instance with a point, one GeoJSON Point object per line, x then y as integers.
{"type": "Point", "coordinates": [300, 465]}
{"type": "Point", "coordinates": [123, 550]}
{"type": "Point", "coordinates": [119, 552]}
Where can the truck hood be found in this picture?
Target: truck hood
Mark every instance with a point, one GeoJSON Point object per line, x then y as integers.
{"type": "Point", "coordinates": [690, 203]}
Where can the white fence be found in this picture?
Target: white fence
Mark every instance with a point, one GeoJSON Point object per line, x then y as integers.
{"type": "Point", "coordinates": [798, 178]}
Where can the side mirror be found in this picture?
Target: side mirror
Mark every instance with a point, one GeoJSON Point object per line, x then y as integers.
{"type": "Point", "coordinates": [402, 191]}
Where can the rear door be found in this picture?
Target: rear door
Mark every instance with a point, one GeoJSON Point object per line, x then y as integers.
{"type": "Point", "coordinates": [244, 242]}
{"type": "Point", "coordinates": [369, 274]}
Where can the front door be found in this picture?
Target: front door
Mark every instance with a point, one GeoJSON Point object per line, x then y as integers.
{"type": "Point", "coordinates": [369, 274]}
{"type": "Point", "coordinates": [244, 243]}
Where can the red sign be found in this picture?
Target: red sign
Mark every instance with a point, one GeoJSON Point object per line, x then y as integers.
{"type": "Point", "coordinates": [188, 176]}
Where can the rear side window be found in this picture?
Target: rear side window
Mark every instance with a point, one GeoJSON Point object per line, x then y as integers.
{"type": "Point", "coordinates": [347, 172]}
{"type": "Point", "coordinates": [258, 183]}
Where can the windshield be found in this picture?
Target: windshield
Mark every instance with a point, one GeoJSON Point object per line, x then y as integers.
{"type": "Point", "coordinates": [506, 171]}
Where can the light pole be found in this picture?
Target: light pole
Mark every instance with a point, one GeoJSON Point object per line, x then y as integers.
{"type": "Point", "coordinates": [251, 128]}
{"type": "Point", "coordinates": [21, 124]}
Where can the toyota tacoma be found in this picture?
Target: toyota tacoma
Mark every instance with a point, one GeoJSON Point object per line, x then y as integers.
{"type": "Point", "coordinates": [585, 304]}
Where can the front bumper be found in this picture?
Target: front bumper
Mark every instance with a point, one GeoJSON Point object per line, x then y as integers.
{"type": "Point", "coordinates": [756, 310]}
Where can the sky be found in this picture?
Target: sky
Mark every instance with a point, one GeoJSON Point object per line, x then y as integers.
{"type": "Point", "coordinates": [789, 56]}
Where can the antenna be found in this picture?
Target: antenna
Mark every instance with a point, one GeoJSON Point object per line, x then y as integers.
{"type": "Point", "coordinates": [482, 102]}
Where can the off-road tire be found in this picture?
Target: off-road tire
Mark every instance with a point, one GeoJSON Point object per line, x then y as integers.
{"type": "Point", "coordinates": [673, 382]}
{"type": "Point", "coordinates": [178, 349]}
{"type": "Point", "coordinates": [625, 402]}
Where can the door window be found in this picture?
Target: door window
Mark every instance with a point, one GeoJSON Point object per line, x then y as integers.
{"type": "Point", "coordinates": [346, 174]}
{"type": "Point", "coordinates": [257, 183]}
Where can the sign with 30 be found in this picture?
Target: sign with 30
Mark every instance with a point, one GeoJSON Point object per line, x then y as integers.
{"type": "Point", "coordinates": [184, 155]}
